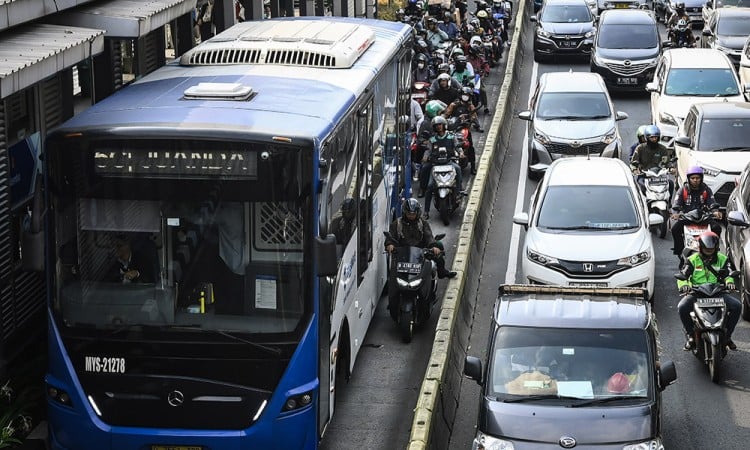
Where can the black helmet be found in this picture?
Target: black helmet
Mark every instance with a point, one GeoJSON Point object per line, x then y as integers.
{"type": "Point", "coordinates": [439, 120]}
{"type": "Point", "coordinates": [432, 21]}
{"type": "Point", "coordinates": [679, 6]}
{"type": "Point", "coordinates": [412, 205]}
{"type": "Point", "coordinates": [444, 68]}
{"type": "Point", "coordinates": [348, 208]}
{"type": "Point", "coordinates": [708, 243]}
{"type": "Point", "coordinates": [422, 58]}
{"type": "Point", "coordinates": [460, 61]}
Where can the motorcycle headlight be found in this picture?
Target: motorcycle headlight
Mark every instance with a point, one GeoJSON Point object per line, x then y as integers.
{"type": "Point", "coordinates": [542, 32]}
{"type": "Point", "coordinates": [667, 119]}
{"type": "Point", "coordinates": [540, 258]}
{"type": "Point", "coordinates": [486, 442]}
{"type": "Point", "coordinates": [654, 444]}
{"type": "Point", "coordinates": [541, 137]}
{"type": "Point", "coordinates": [711, 171]}
{"type": "Point", "coordinates": [409, 284]}
{"type": "Point", "coordinates": [634, 260]}
{"type": "Point", "coordinates": [610, 137]}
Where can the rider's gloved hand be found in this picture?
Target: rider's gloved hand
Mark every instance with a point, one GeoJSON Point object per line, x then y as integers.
{"type": "Point", "coordinates": [389, 248]}
{"type": "Point", "coordinates": [684, 289]}
{"type": "Point", "coordinates": [731, 286]}
{"type": "Point", "coordinates": [436, 251]}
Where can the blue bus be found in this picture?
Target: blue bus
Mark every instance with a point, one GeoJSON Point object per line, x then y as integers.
{"type": "Point", "coordinates": [213, 238]}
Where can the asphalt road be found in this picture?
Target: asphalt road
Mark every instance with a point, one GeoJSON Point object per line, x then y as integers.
{"type": "Point", "coordinates": [697, 414]}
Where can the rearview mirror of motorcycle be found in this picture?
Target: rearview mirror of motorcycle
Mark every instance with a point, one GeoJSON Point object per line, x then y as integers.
{"type": "Point", "coordinates": [734, 274]}
{"type": "Point", "coordinates": [439, 236]}
{"type": "Point", "coordinates": [738, 219]}
{"type": "Point", "coordinates": [680, 277]}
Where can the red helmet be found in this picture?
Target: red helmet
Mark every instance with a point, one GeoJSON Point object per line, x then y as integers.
{"type": "Point", "coordinates": [619, 383]}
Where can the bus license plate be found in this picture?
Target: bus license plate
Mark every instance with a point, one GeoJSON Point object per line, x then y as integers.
{"type": "Point", "coordinates": [627, 80]}
{"type": "Point", "coordinates": [176, 447]}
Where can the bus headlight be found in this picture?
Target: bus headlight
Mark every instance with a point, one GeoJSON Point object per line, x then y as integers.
{"type": "Point", "coordinates": [298, 401]}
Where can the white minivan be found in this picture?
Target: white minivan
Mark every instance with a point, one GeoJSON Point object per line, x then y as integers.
{"type": "Point", "coordinates": [588, 225]}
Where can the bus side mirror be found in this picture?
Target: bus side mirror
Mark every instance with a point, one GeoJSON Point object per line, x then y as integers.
{"type": "Point", "coordinates": [32, 236]}
{"type": "Point", "coordinates": [325, 255]}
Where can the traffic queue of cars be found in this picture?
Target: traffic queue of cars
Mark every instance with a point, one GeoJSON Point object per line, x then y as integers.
{"type": "Point", "coordinates": [588, 263]}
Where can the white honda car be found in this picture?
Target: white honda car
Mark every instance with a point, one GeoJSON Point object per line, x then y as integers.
{"type": "Point", "coordinates": [588, 225]}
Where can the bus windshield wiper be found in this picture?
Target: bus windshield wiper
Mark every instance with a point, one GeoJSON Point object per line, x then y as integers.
{"type": "Point", "coordinates": [598, 401]}
{"type": "Point", "coordinates": [531, 398]}
{"type": "Point", "coordinates": [266, 348]}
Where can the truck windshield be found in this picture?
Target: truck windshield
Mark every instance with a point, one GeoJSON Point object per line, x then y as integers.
{"type": "Point", "coordinates": [564, 363]}
{"type": "Point", "coordinates": [171, 245]}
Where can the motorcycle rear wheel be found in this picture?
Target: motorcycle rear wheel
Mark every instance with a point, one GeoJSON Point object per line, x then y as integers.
{"type": "Point", "coordinates": [445, 212]}
{"type": "Point", "coordinates": [406, 326]}
{"type": "Point", "coordinates": [714, 362]}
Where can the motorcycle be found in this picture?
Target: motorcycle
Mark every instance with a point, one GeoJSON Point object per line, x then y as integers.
{"type": "Point", "coordinates": [709, 316]}
{"type": "Point", "coordinates": [415, 272]}
{"type": "Point", "coordinates": [656, 182]}
{"type": "Point", "coordinates": [446, 195]}
{"type": "Point", "coordinates": [461, 126]}
{"type": "Point", "coordinates": [419, 91]}
{"type": "Point", "coordinates": [697, 222]}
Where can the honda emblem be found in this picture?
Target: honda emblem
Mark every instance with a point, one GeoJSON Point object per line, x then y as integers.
{"type": "Point", "coordinates": [588, 267]}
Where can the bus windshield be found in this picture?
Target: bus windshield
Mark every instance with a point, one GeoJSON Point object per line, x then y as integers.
{"type": "Point", "coordinates": [178, 235]}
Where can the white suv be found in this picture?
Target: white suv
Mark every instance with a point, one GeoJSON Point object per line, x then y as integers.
{"type": "Point", "coordinates": [588, 225]}
{"type": "Point", "coordinates": [685, 76]}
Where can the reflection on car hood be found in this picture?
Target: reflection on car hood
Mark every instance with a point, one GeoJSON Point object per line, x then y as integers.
{"type": "Point", "coordinates": [587, 245]}
{"type": "Point", "coordinates": [726, 161]}
{"type": "Point", "coordinates": [589, 426]}
{"type": "Point", "coordinates": [568, 28]}
{"type": "Point", "coordinates": [574, 129]}
{"type": "Point", "coordinates": [678, 106]}
{"type": "Point", "coordinates": [633, 54]}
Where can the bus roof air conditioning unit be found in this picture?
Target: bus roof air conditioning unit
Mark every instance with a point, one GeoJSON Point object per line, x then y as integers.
{"type": "Point", "coordinates": [316, 43]}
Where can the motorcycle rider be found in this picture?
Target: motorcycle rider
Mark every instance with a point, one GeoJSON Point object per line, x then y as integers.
{"type": "Point", "coordinates": [432, 109]}
{"type": "Point", "coordinates": [640, 134]}
{"type": "Point", "coordinates": [679, 13]}
{"type": "Point", "coordinates": [435, 36]}
{"type": "Point", "coordinates": [414, 8]}
{"type": "Point", "coordinates": [410, 229]}
{"type": "Point", "coordinates": [421, 71]}
{"type": "Point", "coordinates": [449, 26]}
{"type": "Point", "coordinates": [462, 70]}
{"type": "Point", "coordinates": [708, 265]}
{"type": "Point", "coordinates": [651, 153]}
{"type": "Point", "coordinates": [446, 91]}
{"type": "Point", "coordinates": [694, 194]}
{"type": "Point", "coordinates": [464, 106]}
{"type": "Point", "coordinates": [682, 33]}
{"type": "Point", "coordinates": [441, 138]}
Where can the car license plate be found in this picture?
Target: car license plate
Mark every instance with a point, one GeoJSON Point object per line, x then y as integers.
{"type": "Point", "coordinates": [627, 80]}
{"type": "Point", "coordinates": [588, 284]}
{"type": "Point", "coordinates": [710, 301]}
{"type": "Point", "coordinates": [567, 44]}
{"type": "Point", "coordinates": [622, 5]}
{"type": "Point", "coordinates": [176, 447]}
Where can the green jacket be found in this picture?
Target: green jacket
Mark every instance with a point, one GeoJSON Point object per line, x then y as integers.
{"type": "Point", "coordinates": [697, 273]}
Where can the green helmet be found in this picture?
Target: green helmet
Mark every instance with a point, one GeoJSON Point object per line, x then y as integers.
{"type": "Point", "coordinates": [641, 133]}
{"type": "Point", "coordinates": [434, 107]}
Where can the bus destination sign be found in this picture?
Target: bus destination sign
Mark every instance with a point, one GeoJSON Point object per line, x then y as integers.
{"type": "Point", "coordinates": [229, 164]}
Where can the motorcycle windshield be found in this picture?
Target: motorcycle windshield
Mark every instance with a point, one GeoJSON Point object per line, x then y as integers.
{"type": "Point", "coordinates": [408, 254]}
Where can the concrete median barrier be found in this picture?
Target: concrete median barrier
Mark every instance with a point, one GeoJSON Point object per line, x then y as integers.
{"type": "Point", "coordinates": [435, 411]}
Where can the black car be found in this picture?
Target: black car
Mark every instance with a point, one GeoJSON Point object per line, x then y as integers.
{"type": "Point", "coordinates": [563, 27]}
{"type": "Point", "coordinates": [570, 367]}
{"type": "Point", "coordinates": [727, 30]}
{"type": "Point", "coordinates": [626, 48]}
{"type": "Point", "coordinates": [738, 236]}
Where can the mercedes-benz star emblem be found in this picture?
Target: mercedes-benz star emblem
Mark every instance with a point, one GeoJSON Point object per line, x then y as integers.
{"type": "Point", "coordinates": [627, 62]}
{"type": "Point", "coordinates": [588, 267]}
{"type": "Point", "coordinates": [567, 442]}
{"type": "Point", "coordinates": [175, 398]}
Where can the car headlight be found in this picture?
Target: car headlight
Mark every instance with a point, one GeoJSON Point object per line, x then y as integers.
{"type": "Point", "coordinates": [590, 34]}
{"type": "Point", "coordinates": [654, 444]}
{"type": "Point", "coordinates": [634, 260]}
{"type": "Point", "coordinates": [667, 118]}
{"type": "Point", "coordinates": [711, 171]}
{"type": "Point", "coordinates": [540, 258]}
{"type": "Point", "coordinates": [409, 284]}
{"type": "Point", "coordinates": [541, 137]}
{"type": "Point", "coordinates": [487, 442]}
{"type": "Point", "coordinates": [610, 137]}
{"type": "Point", "coordinates": [542, 32]}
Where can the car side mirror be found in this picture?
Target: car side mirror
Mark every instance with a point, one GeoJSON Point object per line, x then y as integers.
{"type": "Point", "coordinates": [738, 219]}
{"type": "Point", "coordinates": [667, 44]}
{"type": "Point", "coordinates": [707, 32]}
{"type": "Point", "coordinates": [521, 218]}
{"type": "Point", "coordinates": [652, 87]}
{"type": "Point", "coordinates": [746, 87]}
{"type": "Point", "coordinates": [621, 115]}
{"type": "Point", "coordinates": [524, 115]}
{"type": "Point", "coordinates": [325, 255]}
{"type": "Point", "coordinates": [667, 374]}
{"type": "Point", "coordinates": [473, 369]}
{"type": "Point", "coordinates": [532, 18]}
{"type": "Point", "coordinates": [684, 141]}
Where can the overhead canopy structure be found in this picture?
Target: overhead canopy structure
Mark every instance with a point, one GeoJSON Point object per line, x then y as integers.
{"type": "Point", "coordinates": [34, 52]}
